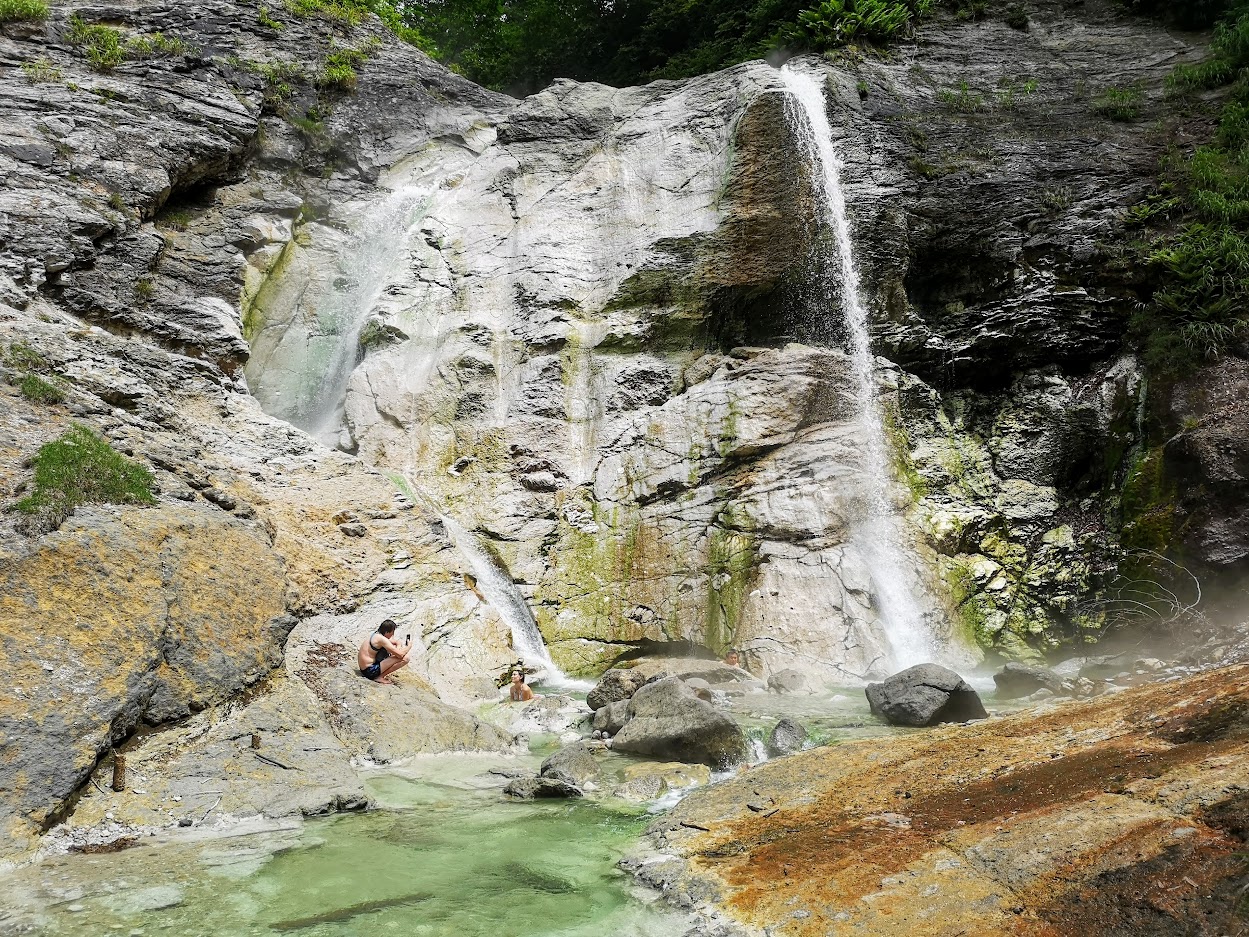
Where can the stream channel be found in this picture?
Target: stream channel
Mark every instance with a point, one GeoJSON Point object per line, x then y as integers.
{"type": "Point", "coordinates": [444, 854]}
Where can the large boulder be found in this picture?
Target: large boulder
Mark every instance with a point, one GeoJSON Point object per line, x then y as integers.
{"type": "Point", "coordinates": [123, 616]}
{"type": "Point", "coordinates": [574, 764]}
{"type": "Point", "coordinates": [612, 717]}
{"type": "Point", "coordinates": [787, 681]}
{"type": "Point", "coordinates": [668, 721]}
{"type": "Point", "coordinates": [786, 738]}
{"type": "Point", "coordinates": [925, 695]}
{"type": "Point", "coordinates": [1017, 680]}
{"type": "Point", "coordinates": [613, 686]}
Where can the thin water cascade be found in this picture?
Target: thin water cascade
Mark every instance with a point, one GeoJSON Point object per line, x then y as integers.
{"type": "Point", "coordinates": [500, 591]}
{"type": "Point", "coordinates": [367, 268]}
{"type": "Point", "coordinates": [877, 534]}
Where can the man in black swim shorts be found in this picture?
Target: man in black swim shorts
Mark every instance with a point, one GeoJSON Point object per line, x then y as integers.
{"type": "Point", "coordinates": [380, 655]}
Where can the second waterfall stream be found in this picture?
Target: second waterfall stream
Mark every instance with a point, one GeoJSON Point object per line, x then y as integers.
{"type": "Point", "coordinates": [877, 532]}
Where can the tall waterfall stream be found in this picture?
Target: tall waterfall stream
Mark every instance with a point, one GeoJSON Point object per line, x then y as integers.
{"type": "Point", "coordinates": [877, 533]}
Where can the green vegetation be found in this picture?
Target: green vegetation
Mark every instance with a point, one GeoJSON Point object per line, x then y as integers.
{"type": "Point", "coordinates": [105, 47]}
{"type": "Point", "coordinates": [1120, 104]}
{"type": "Point", "coordinates": [175, 219]}
{"type": "Point", "coordinates": [1016, 18]}
{"type": "Point", "coordinates": [80, 468]}
{"type": "Point", "coordinates": [102, 45]}
{"type": "Point", "coordinates": [837, 22]}
{"type": "Point", "coordinates": [338, 70]}
{"type": "Point", "coordinates": [35, 388]}
{"type": "Point", "coordinates": [41, 70]}
{"type": "Point", "coordinates": [23, 11]}
{"type": "Point", "coordinates": [265, 18]}
{"type": "Point", "coordinates": [145, 290]}
{"type": "Point", "coordinates": [963, 99]}
{"type": "Point", "coordinates": [22, 356]}
{"type": "Point", "coordinates": [1198, 254]}
{"type": "Point", "coordinates": [348, 12]}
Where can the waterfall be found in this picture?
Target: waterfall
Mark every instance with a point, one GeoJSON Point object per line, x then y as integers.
{"type": "Point", "coordinates": [877, 533]}
{"type": "Point", "coordinates": [366, 269]}
{"type": "Point", "coordinates": [498, 589]}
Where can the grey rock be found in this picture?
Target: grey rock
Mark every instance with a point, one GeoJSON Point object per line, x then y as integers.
{"type": "Point", "coordinates": [574, 764]}
{"type": "Point", "coordinates": [925, 695]}
{"type": "Point", "coordinates": [787, 681]}
{"type": "Point", "coordinates": [1107, 668]}
{"type": "Point", "coordinates": [538, 788]}
{"type": "Point", "coordinates": [1016, 680]}
{"type": "Point", "coordinates": [612, 717]}
{"type": "Point", "coordinates": [353, 530]}
{"type": "Point", "coordinates": [613, 686]}
{"type": "Point", "coordinates": [667, 721]}
{"type": "Point", "coordinates": [786, 737]}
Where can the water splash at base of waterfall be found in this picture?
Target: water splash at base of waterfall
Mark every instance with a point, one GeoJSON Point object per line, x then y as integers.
{"type": "Point", "coordinates": [877, 534]}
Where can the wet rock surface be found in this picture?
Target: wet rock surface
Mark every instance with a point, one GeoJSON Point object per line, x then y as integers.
{"type": "Point", "coordinates": [1014, 826]}
{"type": "Point", "coordinates": [786, 737]}
{"type": "Point", "coordinates": [1016, 680]}
{"type": "Point", "coordinates": [574, 764]}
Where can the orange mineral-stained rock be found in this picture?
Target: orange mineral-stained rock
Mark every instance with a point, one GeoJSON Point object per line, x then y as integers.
{"type": "Point", "coordinates": [1123, 815]}
{"type": "Point", "coordinates": [124, 615]}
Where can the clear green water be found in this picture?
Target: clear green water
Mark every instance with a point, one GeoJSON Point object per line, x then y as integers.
{"type": "Point", "coordinates": [439, 859]}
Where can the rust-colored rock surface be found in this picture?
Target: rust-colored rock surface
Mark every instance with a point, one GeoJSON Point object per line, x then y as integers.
{"type": "Point", "coordinates": [1125, 815]}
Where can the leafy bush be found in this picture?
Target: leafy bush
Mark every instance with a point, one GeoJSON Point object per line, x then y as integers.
{"type": "Point", "coordinates": [80, 468]}
{"type": "Point", "coordinates": [23, 11]}
{"type": "Point", "coordinates": [35, 388]}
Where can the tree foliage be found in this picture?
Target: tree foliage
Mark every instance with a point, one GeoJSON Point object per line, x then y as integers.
{"type": "Point", "coordinates": [520, 45]}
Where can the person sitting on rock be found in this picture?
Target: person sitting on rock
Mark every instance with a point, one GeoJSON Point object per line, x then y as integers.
{"type": "Point", "coordinates": [519, 691]}
{"type": "Point", "coordinates": [381, 655]}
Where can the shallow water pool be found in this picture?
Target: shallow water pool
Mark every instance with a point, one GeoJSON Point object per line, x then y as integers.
{"type": "Point", "coordinates": [439, 859]}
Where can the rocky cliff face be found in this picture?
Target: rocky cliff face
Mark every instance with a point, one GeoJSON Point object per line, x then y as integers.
{"type": "Point", "coordinates": [585, 325]}
{"type": "Point", "coordinates": [587, 347]}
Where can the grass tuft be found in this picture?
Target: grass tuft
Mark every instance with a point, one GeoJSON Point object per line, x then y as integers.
{"type": "Point", "coordinates": [23, 11]}
{"type": "Point", "coordinates": [41, 71]}
{"type": "Point", "coordinates": [1120, 104]}
{"type": "Point", "coordinates": [80, 468]}
{"type": "Point", "coordinates": [35, 388]}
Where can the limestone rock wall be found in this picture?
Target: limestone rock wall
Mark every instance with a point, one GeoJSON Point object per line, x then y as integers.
{"type": "Point", "coordinates": [597, 343]}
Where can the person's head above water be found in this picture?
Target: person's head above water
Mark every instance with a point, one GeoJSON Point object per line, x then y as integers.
{"type": "Point", "coordinates": [518, 676]}
{"type": "Point", "coordinates": [732, 658]}
{"type": "Point", "coordinates": [387, 628]}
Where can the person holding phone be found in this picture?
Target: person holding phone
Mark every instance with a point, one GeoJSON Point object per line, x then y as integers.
{"type": "Point", "coordinates": [381, 655]}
